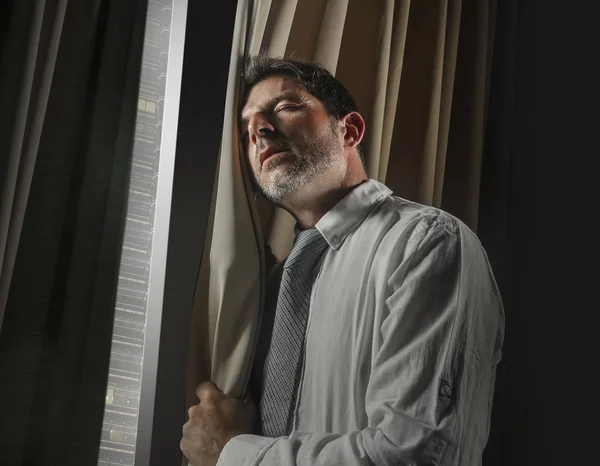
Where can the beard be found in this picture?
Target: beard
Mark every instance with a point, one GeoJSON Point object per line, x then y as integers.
{"type": "Point", "coordinates": [310, 157]}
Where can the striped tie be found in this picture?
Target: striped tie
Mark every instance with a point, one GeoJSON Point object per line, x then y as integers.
{"type": "Point", "coordinates": [284, 358]}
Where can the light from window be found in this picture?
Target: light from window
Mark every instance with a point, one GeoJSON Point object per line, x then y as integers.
{"type": "Point", "coordinates": [121, 411]}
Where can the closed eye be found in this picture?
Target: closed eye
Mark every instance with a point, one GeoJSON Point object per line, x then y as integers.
{"type": "Point", "coordinates": [287, 107]}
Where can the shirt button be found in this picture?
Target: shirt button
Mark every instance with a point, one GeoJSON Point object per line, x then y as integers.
{"type": "Point", "coordinates": [335, 239]}
{"type": "Point", "coordinates": [446, 390]}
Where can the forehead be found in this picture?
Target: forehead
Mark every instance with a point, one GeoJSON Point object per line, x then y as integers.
{"type": "Point", "coordinates": [268, 89]}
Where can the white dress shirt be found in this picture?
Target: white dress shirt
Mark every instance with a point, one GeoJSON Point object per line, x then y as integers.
{"type": "Point", "coordinates": [404, 334]}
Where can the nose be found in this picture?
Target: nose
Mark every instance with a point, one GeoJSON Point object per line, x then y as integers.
{"type": "Point", "coordinates": [259, 126]}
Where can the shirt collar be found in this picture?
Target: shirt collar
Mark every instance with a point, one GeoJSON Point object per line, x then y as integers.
{"type": "Point", "coordinates": [351, 211]}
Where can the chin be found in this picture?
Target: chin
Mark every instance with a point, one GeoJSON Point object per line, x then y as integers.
{"type": "Point", "coordinates": [272, 176]}
{"type": "Point", "coordinates": [275, 192]}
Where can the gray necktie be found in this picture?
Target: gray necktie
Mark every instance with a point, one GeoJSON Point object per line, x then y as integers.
{"type": "Point", "coordinates": [283, 361]}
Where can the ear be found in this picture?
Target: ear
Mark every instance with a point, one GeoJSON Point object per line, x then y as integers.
{"type": "Point", "coordinates": [354, 129]}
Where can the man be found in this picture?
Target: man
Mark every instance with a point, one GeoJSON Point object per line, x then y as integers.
{"type": "Point", "coordinates": [396, 356]}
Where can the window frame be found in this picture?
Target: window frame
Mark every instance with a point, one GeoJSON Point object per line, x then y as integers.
{"type": "Point", "coordinates": [191, 138]}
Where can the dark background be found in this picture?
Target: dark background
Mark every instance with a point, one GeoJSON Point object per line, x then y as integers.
{"type": "Point", "coordinates": [537, 220]}
{"type": "Point", "coordinates": [542, 138]}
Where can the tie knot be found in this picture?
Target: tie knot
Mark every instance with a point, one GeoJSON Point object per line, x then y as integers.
{"type": "Point", "coordinates": [307, 249]}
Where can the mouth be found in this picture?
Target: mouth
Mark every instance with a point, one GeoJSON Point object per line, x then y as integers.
{"type": "Point", "coordinates": [269, 153]}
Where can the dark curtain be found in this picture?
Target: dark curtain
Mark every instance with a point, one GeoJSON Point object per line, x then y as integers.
{"type": "Point", "coordinates": [518, 219]}
{"type": "Point", "coordinates": [69, 76]}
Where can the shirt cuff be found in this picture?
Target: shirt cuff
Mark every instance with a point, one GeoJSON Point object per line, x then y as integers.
{"type": "Point", "coordinates": [244, 450]}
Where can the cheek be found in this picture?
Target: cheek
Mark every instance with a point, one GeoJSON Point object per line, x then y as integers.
{"type": "Point", "coordinates": [303, 132]}
{"type": "Point", "coordinates": [316, 134]}
{"type": "Point", "coordinates": [252, 163]}
{"type": "Point", "coordinates": [296, 125]}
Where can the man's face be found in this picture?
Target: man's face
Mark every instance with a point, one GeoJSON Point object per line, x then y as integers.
{"type": "Point", "coordinates": [288, 136]}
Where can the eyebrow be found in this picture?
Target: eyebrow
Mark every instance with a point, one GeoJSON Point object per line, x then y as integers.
{"type": "Point", "coordinates": [287, 95]}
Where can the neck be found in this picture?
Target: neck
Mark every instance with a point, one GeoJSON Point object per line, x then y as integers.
{"type": "Point", "coordinates": [310, 203]}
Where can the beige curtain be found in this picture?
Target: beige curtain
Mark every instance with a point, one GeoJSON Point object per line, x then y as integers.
{"type": "Point", "coordinates": [418, 71]}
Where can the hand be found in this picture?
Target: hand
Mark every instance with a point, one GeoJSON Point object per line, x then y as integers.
{"type": "Point", "coordinates": [213, 422]}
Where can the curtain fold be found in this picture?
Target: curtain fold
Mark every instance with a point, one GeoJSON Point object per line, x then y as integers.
{"type": "Point", "coordinates": [462, 175]}
{"type": "Point", "coordinates": [73, 101]}
{"type": "Point", "coordinates": [228, 293]}
{"type": "Point", "coordinates": [419, 73]}
{"type": "Point", "coordinates": [28, 61]}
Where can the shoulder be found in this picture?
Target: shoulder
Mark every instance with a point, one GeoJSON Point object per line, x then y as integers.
{"type": "Point", "coordinates": [404, 217]}
{"type": "Point", "coordinates": [407, 228]}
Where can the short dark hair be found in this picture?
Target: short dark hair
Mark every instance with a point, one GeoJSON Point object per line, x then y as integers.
{"type": "Point", "coordinates": [315, 79]}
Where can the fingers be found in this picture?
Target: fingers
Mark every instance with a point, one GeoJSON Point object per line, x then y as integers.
{"type": "Point", "coordinates": [192, 411]}
{"type": "Point", "coordinates": [207, 391]}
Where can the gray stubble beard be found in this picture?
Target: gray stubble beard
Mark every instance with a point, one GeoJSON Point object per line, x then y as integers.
{"type": "Point", "coordinates": [319, 157]}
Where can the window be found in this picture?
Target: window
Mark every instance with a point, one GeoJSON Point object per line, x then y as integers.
{"type": "Point", "coordinates": [119, 429]}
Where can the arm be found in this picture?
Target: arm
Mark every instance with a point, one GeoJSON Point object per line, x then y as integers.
{"type": "Point", "coordinates": [441, 307]}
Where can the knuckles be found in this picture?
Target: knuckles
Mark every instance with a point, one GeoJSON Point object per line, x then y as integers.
{"type": "Point", "coordinates": [185, 430]}
{"type": "Point", "coordinates": [192, 412]}
{"type": "Point", "coordinates": [210, 398]}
